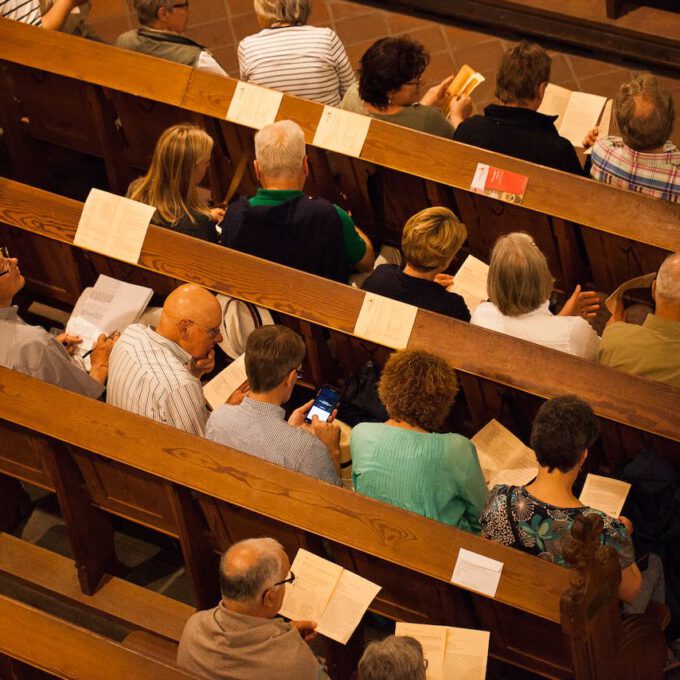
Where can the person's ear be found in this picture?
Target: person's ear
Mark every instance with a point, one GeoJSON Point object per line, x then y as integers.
{"type": "Point", "coordinates": [305, 166]}
{"type": "Point", "coordinates": [258, 174]}
{"type": "Point", "coordinates": [290, 379]}
{"type": "Point", "coordinates": [541, 90]}
{"type": "Point", "coordinates": [582, 457]}
{"type": "Point", "coordinates": [654, 290]}
{"type": "Point", "coordinates": [269, 598]}
{"type": "Point", "coordinates": [183, 329]}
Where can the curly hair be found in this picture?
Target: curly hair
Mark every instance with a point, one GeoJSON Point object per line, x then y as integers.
{"type": "Point", "coordinates": [418, 388]}
{"type": "Point", "coordinates": [387, 66]}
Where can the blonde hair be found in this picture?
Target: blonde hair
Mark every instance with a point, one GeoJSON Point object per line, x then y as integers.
{"type": "Point", "coordinates": [169, 183]}
{"type": "Point", "coordinates": [282, 11]}
{"type": "Point", "coordinates": [431, 238]}
{"type": "Point", "coordinates": [519, 278]}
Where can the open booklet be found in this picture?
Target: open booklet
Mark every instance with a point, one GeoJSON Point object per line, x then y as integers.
{"type": "Point", "coordinates": [503, 457]}
{"type": "Point", "coordinates": [605, 494]}
{"type": "Point", "coordinates": [577, 112]}
{"type": "Point", "coordinates": [111, 305]}
{"type": "Point", "coordinates": [465, 82]}
{"type": "Point", "coordinates": [324, 592]}
{"type": "Point", "coordinates": [451, 653]}
{"type": "Point", "coordinates": [470, 282]}
{"type": "Point", "coordinates": [226, 382]}
{"type": "Point", "coordinates": [644, 281]}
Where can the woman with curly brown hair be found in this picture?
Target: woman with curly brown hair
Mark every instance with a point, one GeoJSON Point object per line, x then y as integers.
{"type": "Point", "coordinates": [404, 461]}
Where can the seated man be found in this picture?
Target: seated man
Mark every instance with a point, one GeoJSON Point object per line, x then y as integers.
{"type": "Point", "coordinates": [156, 372]}
{"type": "Point", "coordinates": [28, 12]}
{"type": "Point", "coordinates": [241, 638]}
{"type": "Point", "coordinates": [653, 349]}
{"type": "Point", "coordinates": [642, 159]}
{"type": "Point", "coordinates": [273, 358]}
{"type": "Point", "coordinates": [429, 241]}
{"type": "Point", "coordinates": [283, 225]}
{"type": "Point", "coordinates": [515, 127]}
{"type": "Point", "coordinates": [394, 658]}
{"type": "Point", "coordinates": [160, 35]}
{"type": "Point", "coordinates": [33, 351]}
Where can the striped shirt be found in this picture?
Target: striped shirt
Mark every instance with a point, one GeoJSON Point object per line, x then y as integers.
{"type": "Point", "coordinates": [26, 11]}
{"type": "Point", "coordinates": [306, 61]}
{"type": "Point", "coordinates": [652, 174]}
{"type": "Point", "coordinates": [149, 375]}
{"type": "Point", "coordinates": [260, 429]}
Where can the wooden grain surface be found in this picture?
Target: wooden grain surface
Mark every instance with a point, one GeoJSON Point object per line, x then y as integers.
{"type": "Point", "coordinates": [549, 191]}
{"type": "Point", "coordinates": [398, 536]}
{"type": "Point", "coordinates": [617, 396]}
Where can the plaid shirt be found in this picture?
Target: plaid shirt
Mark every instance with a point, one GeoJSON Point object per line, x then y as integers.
{"type": "Point", "coordinates": [653, 174]}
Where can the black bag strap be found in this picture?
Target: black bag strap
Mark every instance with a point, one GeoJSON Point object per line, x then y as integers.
{"type": "Point", "coordinates": [511, 521]}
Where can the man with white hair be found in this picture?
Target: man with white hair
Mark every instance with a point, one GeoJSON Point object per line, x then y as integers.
{"type": "Point", "coordinates": [162, 23]}
{"type": "Point", "coordinates": [281, 224]}
{"type": "Point", "coordinates": [241, 638]}
{"type": "Point", "coordinates": [653, 349]}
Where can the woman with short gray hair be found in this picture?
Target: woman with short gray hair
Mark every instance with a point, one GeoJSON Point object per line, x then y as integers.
{"type": "Point", "coordinates": [394, 658]}
{"type": "Point", "coordinates": [288, 55]}
{"type": "Point", "coordinates": [519, 284]}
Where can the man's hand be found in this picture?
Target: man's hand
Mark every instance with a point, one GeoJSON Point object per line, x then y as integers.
{"type": "Point", "coordinates": [69, 341]}
{"type": "Point", "coordinates": [591, 137]}
{"type": "Point", "coordinates": [435, 95]}
{"type": "Point", "coordinates": [297, 417]}
{"type": "Point", "coordinates": [584, 304]}
{"type": "Point", "coordinates": [199, 367]}
{"type": "Point", "coordinates": [306, 629]}
{"type": "Point", "coordinates": [217, 214]}
{"type": "Point", "coordinates": [100, 356]}
{"type": "Point", "coordinates": [460, 108]}
{"type": "Point", "coordinates": [444, 280]}
{"type": "Point", "coordinates": [237, 396]}
{"type": "Point", "coordinates": [329, 434]}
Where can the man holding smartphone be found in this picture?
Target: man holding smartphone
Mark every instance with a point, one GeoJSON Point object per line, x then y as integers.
{"type": "Point", "coordinates": [257, 425]}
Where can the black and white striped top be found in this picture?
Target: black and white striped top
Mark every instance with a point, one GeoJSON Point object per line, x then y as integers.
{"type": "Point", "coordinates": [26, 11]}
{"type": "Point", "coordinates": [307, 61]}
{"type": "Point", "coordinates": [149, 375]}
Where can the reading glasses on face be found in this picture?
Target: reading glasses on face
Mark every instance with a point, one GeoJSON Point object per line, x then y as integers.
{"type": "Point", "coordinates": [290, 579]}
{"type": "Point", "coordinates": [212, 331]}
{"type": "Point", "coordinates": [5, 264]}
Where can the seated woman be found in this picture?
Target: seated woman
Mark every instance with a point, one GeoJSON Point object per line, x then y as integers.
{"type": "Point", "coordinates": [179, 163]}
{"type": "Point", "coordinates": [537, 518]}
{"type": "Point", "coordinates": [287, 55]}
{"type": "Point", "coordinates": [519, 285]}
{"type": "Point", "coordinates": [430, 241]}
{"type": "Point", "coordinates": [389, 89]}
{"type": "Point", "coordinates": [403, 461]}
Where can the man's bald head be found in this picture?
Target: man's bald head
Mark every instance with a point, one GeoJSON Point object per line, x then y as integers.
{"type": "Point", "coordinates": [251, 566]}
{"type": "Point", "coordinates": [668, 280]}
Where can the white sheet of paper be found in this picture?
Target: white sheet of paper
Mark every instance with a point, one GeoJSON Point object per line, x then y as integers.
{"type": "Point", "coordinates": [581, 116]}
{"type": "Point", "coordinates": [113, 225]}
{"type": "Point", "coordinates": [385, 321]}
{"type": "Point", "coordinates": [470, 282]}
{"type": "Point", "coordinates": [315, 580]}
{"type": "Point", "coordinates": [606, 119]}
{"type": "Point", "coordinates": [351, 598]}
{"type": "Point", "coordinates": [254, 106]}
{"type": "Point", "coordinates": [477, 572]}
{"type": "Point", "coordinates": [467, 652]}
{"type": "Point", "coordinates": [555, 102]}
{"type": "Point", "coordinates": [433, 641]}
{"type": "Point", "coordinates": [220, 388]}
{"type": "Point", "coordinates": [605, 494]}
{"type": "Point", "coordinates": [643, 281]}
{"type": "Point", "coordinates": [342, 131]}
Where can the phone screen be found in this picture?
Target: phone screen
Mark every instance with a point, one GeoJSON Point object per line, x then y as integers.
{"type": "Point", "coordinates": [326, 400]}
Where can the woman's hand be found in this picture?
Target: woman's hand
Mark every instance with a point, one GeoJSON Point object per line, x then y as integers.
{"type": "Point", "coordinates": [460, 109]}
{"type": "Point", "coordinates": [584, 304]}
{"type": "Point", "coordinates": [436, 95]}
{"type": "Point", "coordinates": [217, 214]}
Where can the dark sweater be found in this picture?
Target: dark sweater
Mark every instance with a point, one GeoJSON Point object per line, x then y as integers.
{"type": "Point", "coordinates": [389, 280]}
{"type": "Point", "coordinates": [521, 133]}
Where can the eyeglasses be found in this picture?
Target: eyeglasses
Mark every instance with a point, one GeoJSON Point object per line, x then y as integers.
{"type": "Point", "coordinates": [290, 579]}
{"type": "Point", "coordinates": [181, 5]}
{"type": "Point", "coordinates": [214, 332]}
{"type": "Point", "coordinates": [299, 374]}
{"type": "Point", "coordinates": [5, 264]}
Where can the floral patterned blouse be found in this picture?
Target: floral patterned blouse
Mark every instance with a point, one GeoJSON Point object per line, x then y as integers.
{"type": "Point", "coordinates": [542, 528]}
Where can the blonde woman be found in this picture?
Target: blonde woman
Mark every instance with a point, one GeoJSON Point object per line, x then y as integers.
{"type": "Point", "coordinates": [288, 55]}
{"type": "Point", "coordinates": [180, 161]}
{"type": "Point", "coordinates": [519, 286]}
{"type": "Point", "coordinates": [429, 242]}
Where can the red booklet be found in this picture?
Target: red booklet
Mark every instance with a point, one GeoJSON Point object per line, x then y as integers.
{"type": "Point", "coordinates": [501, 184]}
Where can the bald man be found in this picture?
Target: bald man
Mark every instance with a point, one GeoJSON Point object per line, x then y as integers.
{"type": "Point", "coordinates": [653, 349]}
{"type": "Point", "coordinates": [241, 639]}
{"type": "Point", "coordinates": [156, 372]}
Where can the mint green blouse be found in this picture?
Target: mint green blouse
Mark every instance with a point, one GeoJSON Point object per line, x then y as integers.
{"type": "Point", "coordinates": [435, 475]}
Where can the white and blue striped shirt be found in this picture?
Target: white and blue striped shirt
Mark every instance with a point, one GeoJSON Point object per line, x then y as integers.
{"type": "Point", "coordinates": [26, 11]}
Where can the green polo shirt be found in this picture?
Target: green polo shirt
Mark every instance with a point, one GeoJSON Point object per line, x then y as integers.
{"type": "Point", "coordinates": [651, 350]}
{"type": "Point", "coordinates": [355, 247]}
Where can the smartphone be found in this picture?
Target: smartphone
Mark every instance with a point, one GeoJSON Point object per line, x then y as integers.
{"type": "Point", "coordinates": [324, 404]}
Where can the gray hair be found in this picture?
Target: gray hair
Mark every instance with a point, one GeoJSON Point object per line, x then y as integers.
{"type": "Point", "coordinates": [668, 279]}
{"type": "Point", "coordinates": [394, 658]}
{"type": "Point", "coordinates": [645, 113]}
{"type": "Point", "coordinates": [147, 10]}
{"type": "Point", "coordinates": [519, 278]}
{"type": "Point", "coordinates": [282, 11]}
{"type": "Point", "coordinates": [280, 149]}
{"type": "Point", "coordinates": [244, 578]}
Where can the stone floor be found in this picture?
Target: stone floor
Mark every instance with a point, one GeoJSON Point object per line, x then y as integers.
{"type": "Point", "coordinates": [221, 24]}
